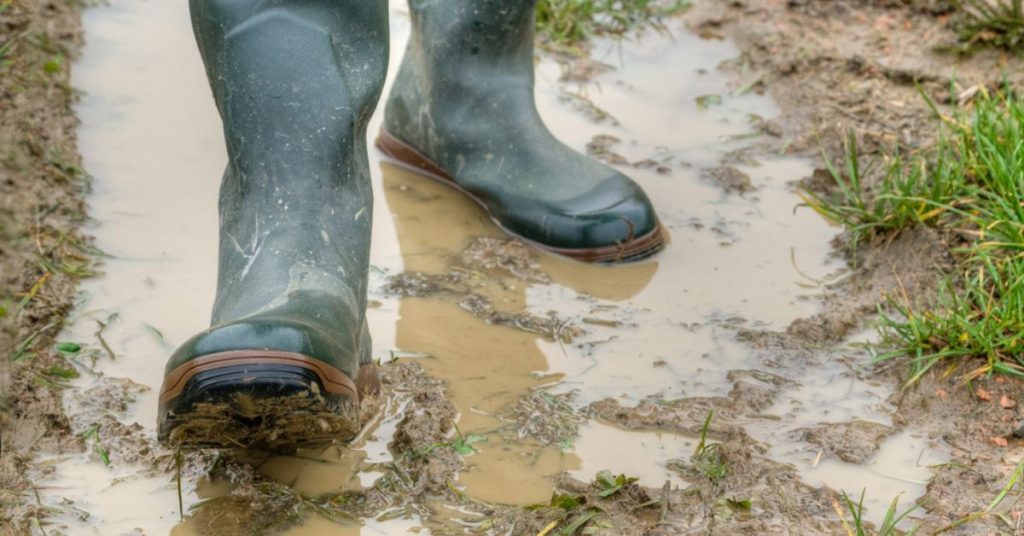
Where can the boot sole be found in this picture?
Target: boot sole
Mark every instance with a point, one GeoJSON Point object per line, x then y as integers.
{"type": "Point", "coordinates": [637, 248]}
{"type": "Point", "coordinates": [262, 399]}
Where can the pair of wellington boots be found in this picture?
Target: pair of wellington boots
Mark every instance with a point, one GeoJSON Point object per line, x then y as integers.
{"type": "Point", "coordinates": [287, 359]}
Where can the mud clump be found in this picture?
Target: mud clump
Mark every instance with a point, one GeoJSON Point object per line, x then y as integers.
{"type": "Point", "coordinates": [428, 422]}
{"type": "Point", "coordinates": [551, 326]}
{"type": "Point", "coordinates": [273, 424]}
{"type": "Point", "coordinates": [730, 179]}
{"type": "Point", "coordinates": [752, 391]}
{"type": "Point", "coordinates": [107, 395]}
{"type": "Point", "coordinates": [545, 418]}
{"type": "Point", "coordinates": [419, 284]}
{"type": "Point", "coordinates": [853, 441]}
{"type": "Point", "coordinates": [476, 279]}
{"type": "Point", "coordinates": [511, 257]}
{"type": "Point", "coordinates": [424, 465]}
{"type": "Point", "coordinates": [113, 442]}
{"type": "Point", "coordinates": [255, 505]}
{"type": "Point", "coordinates": [601, 148]}
{"type": "Point", "coordinates": [734, 488]}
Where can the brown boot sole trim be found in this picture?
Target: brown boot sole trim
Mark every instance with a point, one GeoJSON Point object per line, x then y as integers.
{"type": "Point", "coordinates": [408, 157]}
{"type": "Point", "coordinates": [334, 380]}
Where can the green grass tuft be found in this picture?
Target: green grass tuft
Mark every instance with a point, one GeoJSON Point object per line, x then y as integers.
{"type": "Point", "coordinates": [571, 22]}
{"type": "Point", "coordinates": [909, 193]}
{"type": "Point", "coordinates": [998, 23]}
{"type": "Point", "coordinates": [707, 457]}
{"type": "Point", "coordinates": [892, 518]}
{"type": "Point", "coordinates": [970, 185]}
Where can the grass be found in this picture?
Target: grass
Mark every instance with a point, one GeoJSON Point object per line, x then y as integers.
{"type": "Point", "coordinates": [708, 459]}
{"type": "Point", "coordinates": [856, 525]}
{"type": "Point", "coordinates": [611, 484]}
{"type": "Point", "coordinates": [969, 186]}
{"type": "Point", "coordinates": [461, 444]}
{"type": "Point", "coordinates": [998, 23]}
{"type": "Point", "coordinates": [92, 436]}
{"type": "Point", "coordinates": [568, 23]}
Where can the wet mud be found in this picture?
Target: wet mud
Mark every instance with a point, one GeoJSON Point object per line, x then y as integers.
{"type": "Point", "coordinates": [720, 387]}
{"type": "Point", "coordinates": [42, 251]}
{"type": "Point", "coordinates": [841, 68]}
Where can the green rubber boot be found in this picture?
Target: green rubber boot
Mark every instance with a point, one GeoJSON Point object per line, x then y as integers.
{"type": "Point", "coordinates": [287, 358]}
{"type": "Point", "coordinates": [462, 111]}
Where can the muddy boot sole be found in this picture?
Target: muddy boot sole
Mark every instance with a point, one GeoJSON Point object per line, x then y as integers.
{"type": "Point", "coordinates": [634, 249]}
{"type": "Point", "coordinates": [266, 400]}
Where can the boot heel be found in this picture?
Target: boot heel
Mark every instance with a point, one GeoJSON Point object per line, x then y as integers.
{"type": "Point", "coordinates": [267, 403]}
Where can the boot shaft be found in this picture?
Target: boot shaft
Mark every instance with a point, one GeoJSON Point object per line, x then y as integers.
{"type": "Point", "coordinates": [295, 82]}
{"type": "Point", "coordinates": [496, 30]}
{"type": "Point", "coordinates": [468, 63]}
{"type": "Point", "coordinates": [292, 77]}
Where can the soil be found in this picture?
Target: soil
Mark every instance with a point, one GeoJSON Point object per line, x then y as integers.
{"type": "Point", "coordinates": [474, 281]}
{"type": "Point", "coordinates": [853, 442]}
{"type": "Point", "coordinates": [834, 67]}
{"type": "Point", "coordinates": [730, 179]}
{"type": "Point", "coordinates": [856, 67]}
{"type": "Point", "coordinates": [42, 251]}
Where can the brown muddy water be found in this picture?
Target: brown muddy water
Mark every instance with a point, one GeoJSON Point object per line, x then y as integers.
{"type": "Point", "coordinates": [665, 328]}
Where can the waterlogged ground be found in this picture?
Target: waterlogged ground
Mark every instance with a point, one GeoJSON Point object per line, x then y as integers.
{"type": "Point", "coordinates": [551, 371]}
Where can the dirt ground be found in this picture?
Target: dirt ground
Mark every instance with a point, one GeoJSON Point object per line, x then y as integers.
{"type": "Point", "coordinates": [42, 252]}
{"type": "Point", "coordinates": [857, 66]}
{"type": "Point", "coordinates": [834, 67]}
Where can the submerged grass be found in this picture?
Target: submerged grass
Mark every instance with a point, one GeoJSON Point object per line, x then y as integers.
{"type": "Point", "coordinates": [970, 185]}
{"type": "Point", "coordinates": [571, 22]}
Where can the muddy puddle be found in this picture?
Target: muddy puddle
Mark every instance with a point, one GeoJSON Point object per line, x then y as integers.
{"type": "Point", "coordinates": [514, 329]}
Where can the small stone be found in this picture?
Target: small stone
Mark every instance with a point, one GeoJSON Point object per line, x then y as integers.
{"type": "Point", "coordinates": [982, 394]}
{"type": "Point", "coordinates": [1007, 403]}
{"type": "Point", "coordinates": [999, 441]}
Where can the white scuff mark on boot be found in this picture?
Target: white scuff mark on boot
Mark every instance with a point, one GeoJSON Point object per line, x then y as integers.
{"type": "Point", "coordinates": [251, 259]}
{"type": "Point", "coordinates": [254, 245]}
{"type": "Point", "coordinates": [238, 247]}
{"type": "Point", "coordinates": [325, 236]}
{"type": "Point", "coordinates": [359, 213]}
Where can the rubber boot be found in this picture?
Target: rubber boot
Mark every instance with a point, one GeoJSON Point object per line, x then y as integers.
{"type": "Point", "coordinates": [287, 358]}
{"type": "Point", "coordinates": [462, 110]}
